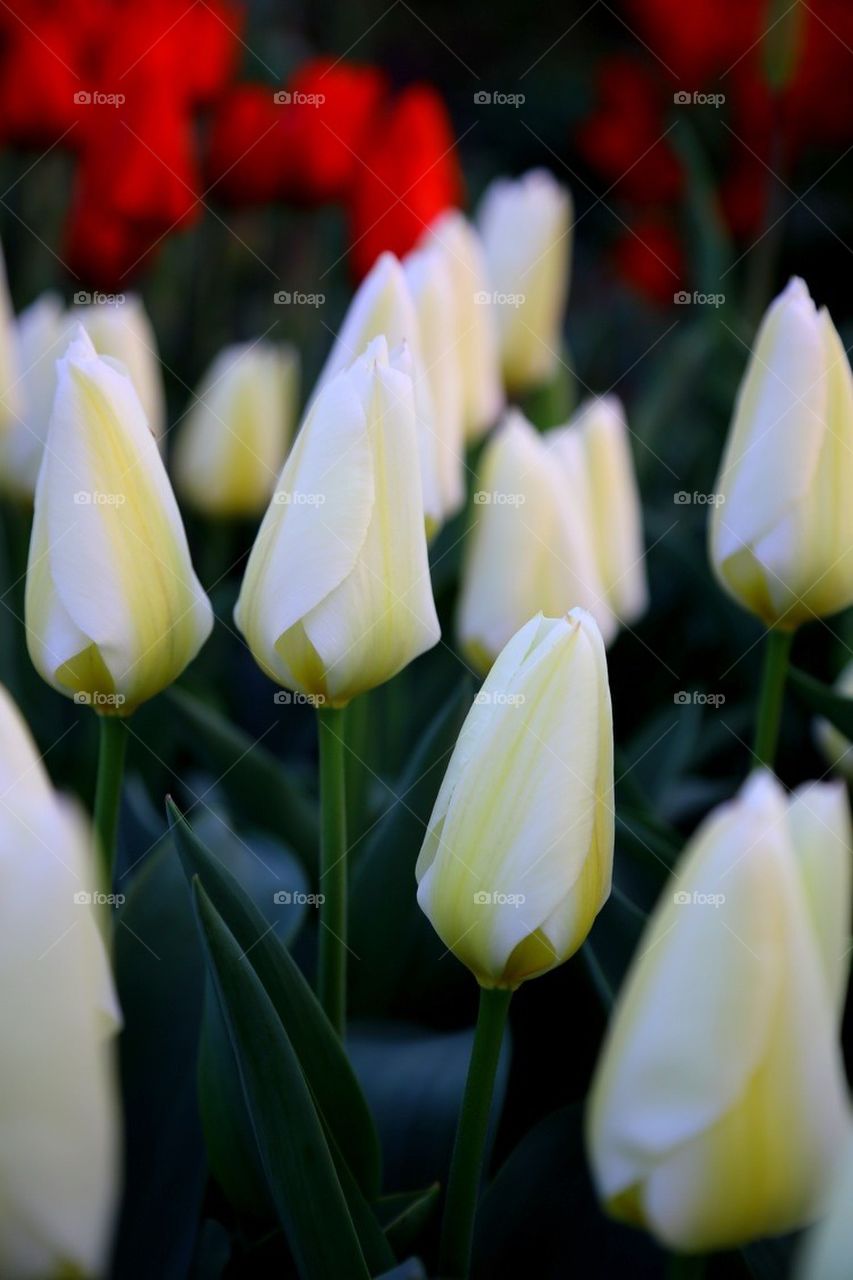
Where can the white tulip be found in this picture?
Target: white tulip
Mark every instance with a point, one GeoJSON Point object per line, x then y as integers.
{"type": "Point", "coordinates": [719, 1107]}
{"type": "Point", "coordinates": [526, 227]}
{"type": "Point", "coordinates": [836, 746]}
{"type": "Point", "coordinates": [43, 332]}
{"type": "Point", "coordinates": [826, 1251]}
{"type": "Point", "coordinates": [337, 595]}
{"type": "Point", "coordinates": [59, 1159]}
{"type": "Point", "coordinates": [124, 331]}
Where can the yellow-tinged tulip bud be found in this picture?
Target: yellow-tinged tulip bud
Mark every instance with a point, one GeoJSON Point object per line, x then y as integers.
{"type": "Point", "coordinates": [530, 547]}
{"type": "Point", "coordinates": [826, 1251]}
{"type": "Point", "coordinates": [383, 307]}
{"type": "Point", "coordinates": [613, 500]}
{"type": "Point", "coordinates": [123, 330]}
{"type": "Point", "coordinates": [430, 281]}
{"type": "Point", "coordinates": [114, 611]}
{"type": "Point", "coordinates": [518, 853]}
{"type": "Point", "coordinates": [782, 527]}
{"type": "Point", "coordinates": [526, 227]}
{"type": "Point", "coordinates": [42, 332]}
{"type": "Point", "coordinates": [719, 1104]}
{"type": "Point", "coordinates": [231, 447]}
{"type": "Point", "coordinates": [59, 1159]}
{"type": "Point", "coordinates": [476, 334]}
{"type": "Point", "coordinates": [837, 748]}
{"type": "Point", "coordinates": [10, 363]}
{"type": "Point", "coordinates": [337, 595]}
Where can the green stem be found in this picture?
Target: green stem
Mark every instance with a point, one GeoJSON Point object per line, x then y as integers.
{"type": "Point", "coordinates": [686, 1266]}
{"type": "Point", "coordinates": [460, 1207]}
{"type": "Point", "coordinates": [769, 716]}
{"type": "Point", "coordinates": [111, 750]}
{"type": "Point", "coordinates": [332, 961]}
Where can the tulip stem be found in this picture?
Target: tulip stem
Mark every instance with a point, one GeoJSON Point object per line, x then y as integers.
{"type": "Point", "coordinates": [769, 717]}
{"type": "Point", "coordinates": [460, 1206]}
{"type": "Point", "coordinates": [112, 745]}
{"type": "Point", "coordinates": [332, 959]}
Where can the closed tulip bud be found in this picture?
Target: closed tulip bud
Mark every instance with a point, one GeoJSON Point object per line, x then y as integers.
{"type": "Point", "coordinates": [526, 228]}
{"type": "Point", "coordinates": [430, 281]}
{"type": "Point", "coordinates": [10, 363]}
{"type": "Point", "coordinates": [530, 547]}
{"type": "Point", "coordinates": [233, 442]}
{"type": "Point", "coordinates": [59, 1158]}
{"type": "Point", "coordinates": [613, 500]}
{"type": "Point", "coordinates": [337, 595]}
{"type": "Point", "coordinates": [42, 333]}
{"type": "Point", "coordinates": [517, 859]}
{"type": "Point", "coordinates": [782, 527]}
{"type": "Point", "coordinates": [383, 307]}
{"type": "Point", "coordinates": [114, 611]}
{"type": "Point", "coordinates": [719, 1105]}
{"type": "Point", "coordinates": [124, 331]}
{"type": "Point", "coordinates": [836, 747]}
{"type": "Point", "coordinates": [476, 334]}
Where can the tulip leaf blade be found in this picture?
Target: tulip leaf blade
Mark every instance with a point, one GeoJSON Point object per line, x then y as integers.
{"type": "Point", "coordinates": [825, 701]}
{"type": "Point", "coordinates": [405, 1214]}
{"type": "Point", "coordinates": [300, 1171]}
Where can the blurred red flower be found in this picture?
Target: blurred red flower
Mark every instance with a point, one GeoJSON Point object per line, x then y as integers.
{"type": "Point", "coordinates": [650, 257]}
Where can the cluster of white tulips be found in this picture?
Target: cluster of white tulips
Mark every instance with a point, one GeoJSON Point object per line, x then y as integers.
{"type": "Point", "coordinates": [719, 1111]}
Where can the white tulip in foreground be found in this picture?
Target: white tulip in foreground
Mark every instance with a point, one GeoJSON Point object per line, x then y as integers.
{"type": "Point", "coordinates": [782, 528]}
{"type": "Point", "coordinates": [719, 1107]}
{"type": "Point", "coordinates": [526, 228]}
{"type": "Point", "coordinates": [59, 1165]}
{"type": "Point", "coordinates": [124, 331]}
{"type": "Point", "coordinates": [518, 853]}
{"type": "Point", "coordinates": [603, 454]}
{"type": "Point", "coordinates": [337, 595]}
{"type": "Point", "coordinates": [232, 444]}
{"type": "Point", "coordinates": [42, 332]}
{"type": "Point", "coordinates": [114, 611]}
{"type": "Point", "coordinates": [827, 1248]}
{"type": "Point", "coordinates": [475, 334]}
{"type": "Point", "coordinates": [383, 306]}
{"type": "Point", "coordinates": [531, 544]}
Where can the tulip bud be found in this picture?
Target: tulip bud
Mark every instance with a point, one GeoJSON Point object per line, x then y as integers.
{"type": "Point", "coordinates": [517, 858]}
{"type": "Point", "coordinates": [530, 547]}
{"type": "Point", "coordinates": [232, 446]}
{"type": "Point", "coordinates": [10, 395]}
{"type": "Point", "coordinates": [613, 500]}
{"type": "Point", "coordinates": [835, 746]}
{"type": "Point", "coordinates": [782, 527]}
{"type": "Point", "coordinates": [476, 335]}
{"type": "Point", "coordinates": [337, 595]}
{"type": "Point", "coordinates": [383, 306]}
{"type": "Point", "coordinates": [430, 282]}
{"type": "Point", "coordinates": [42, 333]}
{"type": "Point", "coordinates": [526, 227]}
{"type": "Point", "coordinates": [719, 1104]}
{"type": "Point", "coordinates": [114, 611]}
{"type": "Point", "coordinates": [124, 331]}
{"type": "Point", "coordinates": [59, 1160]}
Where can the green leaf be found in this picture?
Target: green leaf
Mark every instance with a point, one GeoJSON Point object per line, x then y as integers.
{"type": "Point", "coordinates": [823, 700]}
{"type": "Point", "coordinates": [301, 1175]}
{"type": "Point", "coordinates": [405, 1214]}
{"type": "Point", "coordinates": [333, 1083]}
{"type": "Point", "coordinates": [260, 784]}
